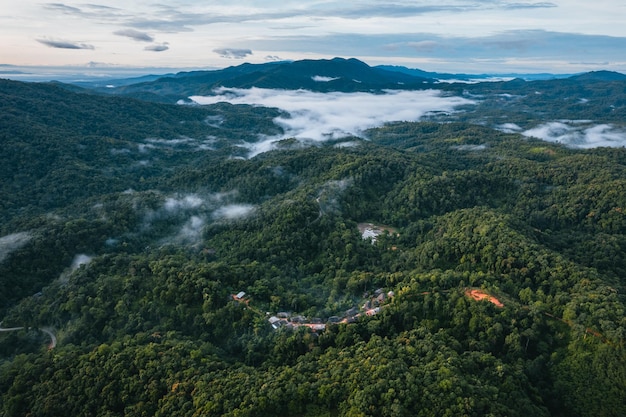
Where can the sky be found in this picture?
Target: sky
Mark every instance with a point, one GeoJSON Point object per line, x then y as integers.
{"type": "Point", "coordinates": [470, 36]}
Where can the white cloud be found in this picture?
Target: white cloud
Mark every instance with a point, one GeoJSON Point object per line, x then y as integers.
{"type": "Point", "coordinates": [471, 148]}
{"type": "Point", "coordinates": [318, 117]}
{"type": "Point", "coordinates": [300, 30]}
{"type": "Point", "coordinates": [134, 35]}
{"type": "Point", "coordinates": [80, 259]}
{"type": "Point", "coordinates": [77, 262]}
{"type": "Point", "coordinates": [509, 128]}
{"type": "Point", "coordinates": [323, 79]}
{"type": "Point", "coordinates": [187, 202]}
{"type": "Point", "coordinates": [190, 232]}
{"type": "Point", "coordinates": [579, 134]}
{"type": "Point", "coordinates": [13, 242]}
{"type": "Point", "coordinates": [233, 212]}
{"type": "Point", "coordinates": [160, 47]}
{"type": "Point", "coordinates": [64, 44]}
{"type": "Point", "coordinates": [233, 53]}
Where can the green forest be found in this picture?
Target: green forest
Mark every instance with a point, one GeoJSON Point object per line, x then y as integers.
{"type": "Point", "coordinates": [127, 228]}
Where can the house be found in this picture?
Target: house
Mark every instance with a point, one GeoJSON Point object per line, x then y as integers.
{"type": "Point", "coordinates": [351, 312]}
{"type": "Point", "coordinates": [275, 322]}
{"type": "Point", "coordinates": [239, 295]}
{"type": "Point", "coordinates": [315, 327]}
{"type": "Point", "coordinates": [381, 298]}
{"type": "Point", "coordinates": [373, 311]}
{"type": "Point", "coordinates": [298, 319]}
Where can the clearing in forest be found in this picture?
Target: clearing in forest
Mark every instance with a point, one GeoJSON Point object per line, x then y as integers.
{"type": "Point", "coordinates": [481, 295]}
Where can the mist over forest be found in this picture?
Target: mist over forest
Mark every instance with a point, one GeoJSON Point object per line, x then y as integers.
{"type": "Point", "coordinates": [313, 238]}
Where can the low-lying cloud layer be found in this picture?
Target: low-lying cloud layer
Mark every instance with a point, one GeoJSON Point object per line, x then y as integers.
{"type": "Point", "coordinates": [579, 134]}
{"type": "Point", "coordinates": [318, 117]}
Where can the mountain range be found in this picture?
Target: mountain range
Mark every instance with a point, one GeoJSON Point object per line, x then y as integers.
{"type": "Point", "coordinates": [338, 74]}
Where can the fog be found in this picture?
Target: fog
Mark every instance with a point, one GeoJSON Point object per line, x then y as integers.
{"type": "Point", "coordinates": [509, 128]}
{"type": "Point", "coordinates": [233, 212]}
{"type": "Point", "coordinates": [318, 117]}
{"type": "Point", "coordinates": [187, 202]}
{"type": "Point", "coordinates": [13, 242]}
{"type": "Point", "coordinates": [80, 259]}
{"type": "Point", "coordinates": [323, 79]}
{"type": "Point", "coordinates": [579, 134]}
{"type": "Point", "coordinates": [190, 232]}
{"type": "Point", "coordinates": [181, 219]}
{"type": "Point", "coordinates": [185, 143]}
{"type": "Point", "coordinates": [329, 194]}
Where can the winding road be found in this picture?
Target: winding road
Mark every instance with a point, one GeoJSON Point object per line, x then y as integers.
{"type": "Point", "coordinates": [46, 330]}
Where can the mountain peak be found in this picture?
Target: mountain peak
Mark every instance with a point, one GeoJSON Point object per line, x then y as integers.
{"type": "Point", "coordinates": [599, 76]}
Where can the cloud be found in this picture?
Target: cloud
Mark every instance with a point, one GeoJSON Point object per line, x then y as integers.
{"type": "Point", "coordinates": [318, 117]}
{"type": "Point", "coordinates": [539, 5]}
{"type": "Point", "coordinates": [64, 44]}
{"type": "Point", "coordinates": [233, 53]}
{"type": "Point", "coordinates": [80, 259]}
{"type": "Point", "coordinates": [397, 10]}
{"type": "Point", "coordinates": [89, 11]}
{"type": "Point", "coordinates": [471, 148]}
{"type": "Point", "coordinates": [135, 35]}
{"type": "Point", "coordinates": [177, 18]}
{"type": "Point", "coordinates": [323, 79]}
{"type": "Point", "coordinates": [63, 8]}
{"type": "Point", "coordinates": [13, 242]}
{"type": "Point", "coordinates": [187, 202]}
{"type": "Point", "coordinates": [509, 128]}
{"type": "Point", "coordinates": [233, 212]}
{"type": "Point", "coordinates": [179, 144]}
{"type": "Point", "coordinates": [579, 134]}
{"type": "Point", "coordinates": [157, 47]}
{"type": "Point", "coordinates": [423, 46]}
{"type": "Point", "coordinates": [77, 262]}
{"type": "Point", "coordinates": [190, 232]}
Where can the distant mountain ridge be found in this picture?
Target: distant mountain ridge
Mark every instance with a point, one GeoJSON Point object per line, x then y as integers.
{"type": "Point", "coordinates": [472, 77]}
{"type": "Point", "coordinates": [324, 75]}
{"type": "Point", "coordinates": [600, 76]}
{"type": "Point", "coordinates": [337, 74]}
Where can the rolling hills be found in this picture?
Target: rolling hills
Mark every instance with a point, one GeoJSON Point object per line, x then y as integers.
{"type": "Point", "coordinates": [128, 225]}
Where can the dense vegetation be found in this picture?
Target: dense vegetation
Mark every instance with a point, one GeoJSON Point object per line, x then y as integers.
{"type": "Point", "coordinates": [173, 225]}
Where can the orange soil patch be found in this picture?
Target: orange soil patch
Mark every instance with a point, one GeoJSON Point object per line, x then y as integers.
{"type": "Point", "coordinates": [481, 295]}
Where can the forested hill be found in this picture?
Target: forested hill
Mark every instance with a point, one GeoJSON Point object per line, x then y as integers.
{"type": "Point", "coordinates": [338, 74]}
{"type": "Point", "coordinates": [128, 229]}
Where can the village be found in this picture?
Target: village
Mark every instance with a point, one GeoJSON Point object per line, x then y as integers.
{"type": "Point", "coordinates": [372, 306]}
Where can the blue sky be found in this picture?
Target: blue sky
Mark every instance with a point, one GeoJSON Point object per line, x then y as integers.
{"type": "Point", "coordinates": [495, 36]}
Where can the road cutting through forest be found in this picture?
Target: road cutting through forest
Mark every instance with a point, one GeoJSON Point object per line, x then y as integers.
{"type": "Point", "coordinates": [46, 330]}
